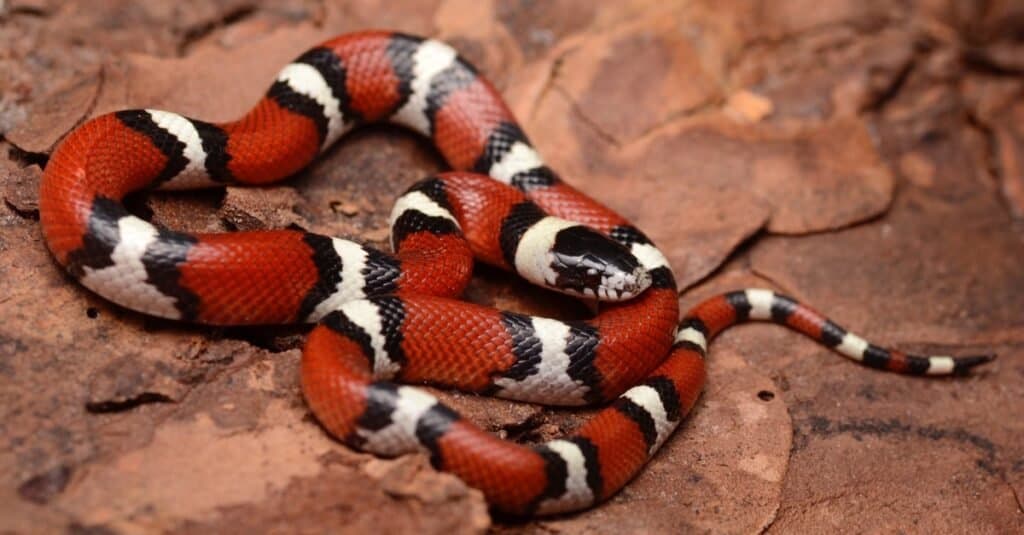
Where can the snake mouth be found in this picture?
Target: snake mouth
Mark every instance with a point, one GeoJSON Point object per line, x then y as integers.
{"type": "Point", "coordinates": [619, 286]}
{"type": "Point", "coordinates": [612, 285]}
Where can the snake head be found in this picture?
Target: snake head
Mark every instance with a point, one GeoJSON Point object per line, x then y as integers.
{"type": "Point", "coordinates": [586, 263]}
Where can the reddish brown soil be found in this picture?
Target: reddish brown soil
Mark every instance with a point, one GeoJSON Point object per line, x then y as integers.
{"type": "Point", "coordinates": [864, 156]}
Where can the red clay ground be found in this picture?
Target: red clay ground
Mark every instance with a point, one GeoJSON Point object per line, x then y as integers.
{"type": "Point", "coordinates": [866, 157]}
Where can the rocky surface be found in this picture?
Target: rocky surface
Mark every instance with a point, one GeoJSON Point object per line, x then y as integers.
{"type": "Point", "coordinates": [865, 157]}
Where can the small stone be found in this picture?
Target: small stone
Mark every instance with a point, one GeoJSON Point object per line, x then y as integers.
{"type": "Point", "coordinates": [21, 188]}
{"type": "Point", "coordinates": [44, 487]}
{"type": "Point", "coordinates": [348, 209]}
{"type": "Point", "coordinates": [748, 107]}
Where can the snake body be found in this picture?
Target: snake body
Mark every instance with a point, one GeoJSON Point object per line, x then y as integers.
{"type": "Point", "coordinates": [394, 317]}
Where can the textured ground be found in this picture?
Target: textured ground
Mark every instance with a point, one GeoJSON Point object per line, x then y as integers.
{"type": "Point", "coordinates": [864, 156]}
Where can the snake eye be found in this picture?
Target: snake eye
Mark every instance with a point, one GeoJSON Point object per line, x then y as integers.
{"type": "Point", "coordinates": [591, 269]}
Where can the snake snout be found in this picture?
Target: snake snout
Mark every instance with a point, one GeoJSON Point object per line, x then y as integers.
{"type": "Point", "coordinates": [589, 264]}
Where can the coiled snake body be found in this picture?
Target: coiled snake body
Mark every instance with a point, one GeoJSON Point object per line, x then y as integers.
{"type": "Point", "coordinates": [393, 317]}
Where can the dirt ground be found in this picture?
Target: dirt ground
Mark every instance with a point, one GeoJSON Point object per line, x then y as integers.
{"type": "Point", "coordinates": [866, 157]}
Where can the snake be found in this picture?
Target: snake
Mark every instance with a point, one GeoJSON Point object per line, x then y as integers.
{"type": "Point", "coordinates": [385, 322]}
